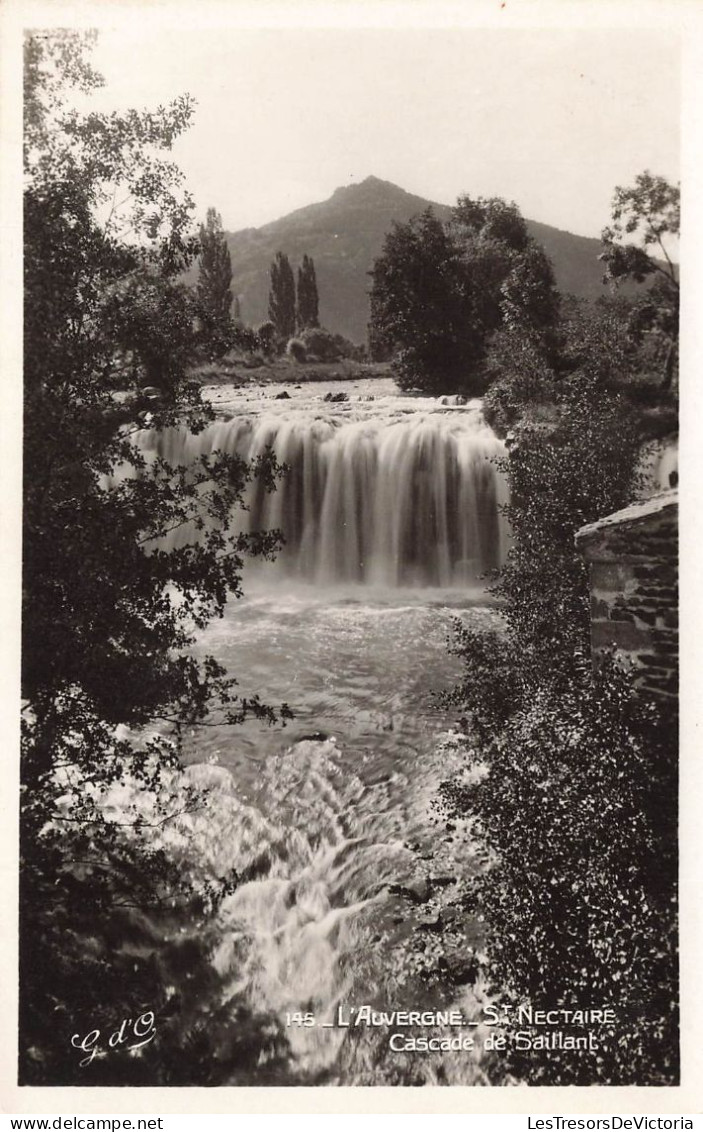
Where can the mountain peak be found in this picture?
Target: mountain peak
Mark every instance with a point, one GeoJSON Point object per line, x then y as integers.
{"type": "Point", "coordinates": [346, 232]}
{"type": "Point", "coordinates": [370, 186]}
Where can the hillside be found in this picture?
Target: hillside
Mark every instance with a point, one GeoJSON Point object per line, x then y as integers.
{"type": "Point", "coordinates": [345, 233]}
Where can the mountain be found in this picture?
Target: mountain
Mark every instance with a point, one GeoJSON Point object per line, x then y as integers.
{"type": "Point", "coordinates": [344, 235]}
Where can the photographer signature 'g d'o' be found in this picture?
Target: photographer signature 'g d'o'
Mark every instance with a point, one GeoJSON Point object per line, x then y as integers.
{"type": "Point", "coordinates": [141, 1033]}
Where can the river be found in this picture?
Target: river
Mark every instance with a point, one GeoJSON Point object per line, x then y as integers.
{"type": "Point", "coordinates": [349, 876]}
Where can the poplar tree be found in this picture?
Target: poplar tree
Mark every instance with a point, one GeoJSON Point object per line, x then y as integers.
{"type": "Point", "coordinates": [215, 279]}
{"type": "Point", "coordinates": [308, 302]}
{"type": "Point", "coordinates": [282, 297]}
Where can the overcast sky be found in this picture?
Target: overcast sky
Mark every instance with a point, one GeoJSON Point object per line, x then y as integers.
{"type": "Point", "coordinates": [552, 119]}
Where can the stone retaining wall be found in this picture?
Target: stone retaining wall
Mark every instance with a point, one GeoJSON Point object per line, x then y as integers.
{"type": "Point", "coordinates": [633, 559]}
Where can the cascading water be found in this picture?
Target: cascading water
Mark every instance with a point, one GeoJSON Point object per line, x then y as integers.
{"type": "Point", "coordinates": [391, 508]}
{"type": "Point", "coordinates": [388, 492]}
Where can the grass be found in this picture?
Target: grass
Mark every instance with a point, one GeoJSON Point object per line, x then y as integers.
{"type": "Point", "coordinates": [253, 370]}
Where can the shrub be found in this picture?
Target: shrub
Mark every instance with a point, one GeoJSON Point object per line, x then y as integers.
{"type": "Point", "coordinates": [244, 338]}
{"type": "Point", "coordinates": [296, 349]}
{"type": "Point", "coordinates": [520, 378]}
{"type": "Point", "coordinates": [491, 685]}
{"type": "Point", "coordinates": [600, 343]}
{"type": "Point", "coordinates": [321, 345]}
{"type": "Point", "coordinates": [410, 374]}
{"type": "Point", "coordinates": [579, 806]}
{"type": "Point", "coordinates": [348, 349]}
{"type": "Point", "coordinates": [578, 800]}
{"type": "Point", "coordinates": [562, 476]}
{"type": "Point", "coordinates": [118, 908]}
{"type": "Point", "coordinates": [266, 338]}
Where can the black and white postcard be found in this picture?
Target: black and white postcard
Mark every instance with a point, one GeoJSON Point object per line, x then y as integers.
{"type": "Point", "coordinates": [344, 354]}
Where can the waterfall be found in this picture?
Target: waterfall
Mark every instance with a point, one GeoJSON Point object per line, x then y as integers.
{"type": "Point", "coordinates": [400, 492]}
{"type": "Point", "coordinates": [345, 871]}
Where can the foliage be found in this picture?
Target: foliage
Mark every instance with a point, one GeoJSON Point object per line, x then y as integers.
{"type": "Point", "coordinates": [322, 346]}
{"type": "Point", "coordinates": [215, 280]}
{"type": "Point", "coordinates": [102, 312]}
{"type": "Point", "coordinates": [492, 683]}
{"type": "Point", "coordinates": [124, 905]}
{"type": "Point", "coordinates": [296, 349]}
{"type": "Point", "coordinates": [282, 298]}
{"type": "Point", "coordinates": [266, 338]}
{"type": "Point", "coordinates": [578, 803]}
{"type": "Point", "coordinates": [605, 342]}
{"type": "Point", "coordinates": [244, 339]}
{"type": "Point", "coordinates": [441, 291]}
{"type": "Point", "coordinates": [650, 212]}
{"type": "Point", "coordinates": [645, 221]}
{"type": "Point", "coordinates": [511, 279]}
{"type": "Point", "coordinates": [348, 349]}
{"type": "Point", "coordinates": [105, 165]}
{"type": "Point", "coordinates": [577, 799]}
{"type": "Point", "coordinates": [416, 306]}
{"type": "Point", "coordinates": [561, 475]}
{"type": "Point", "coordinates": [358, 352]}
{"type": "Point", "coordinates": [307, 314]}
{"type": "Point", "coordinates": [521, 375]}
{"type": "Point", "coordinates": [108, 614]}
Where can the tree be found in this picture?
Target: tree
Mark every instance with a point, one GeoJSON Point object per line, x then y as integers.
{"type": "Point", "coordinates": [571, 773]}
{"type": "Point", "coordinates": [308, 303]}
{"type": "Point", "coordinates": [103, 312]}
{"type": "Point", "coordinates": [282, 297]}
{"type": "Point", "coordinates": [417, 306]}
{"type": "Point", "coordinates": [571, 781]}
{"type": "Point", "coordinates": [527, 372]}
{"type": "Point", "coordinates": [266, 338]}
{"type": "Point", "coordinates": [441, 291]}
{"type": "Point", "coordinates": [645, 223]}
{"type": "Point", "coordinates": [215, 277]}
{"type": "Point", "coordinates": [108, 613]}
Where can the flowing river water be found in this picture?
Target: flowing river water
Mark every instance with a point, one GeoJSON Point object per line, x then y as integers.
{"type": "Point", "coordinates": [349, 876]}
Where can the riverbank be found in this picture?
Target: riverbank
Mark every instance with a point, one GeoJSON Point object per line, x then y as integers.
{"type": "Point", "coordinates": [243, 370]}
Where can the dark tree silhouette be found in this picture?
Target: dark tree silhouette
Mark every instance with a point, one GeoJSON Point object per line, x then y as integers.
{"type": "Point", "coordinates": [441, 291]}
{"type": "Point", "coordinates": [308, 301]}
{"type": "Point", "coordinates": [215, 278]}
{"type": "Point", "coordinates": [282, 297]}
{"type": "Point", "coordinates": [106, 648]}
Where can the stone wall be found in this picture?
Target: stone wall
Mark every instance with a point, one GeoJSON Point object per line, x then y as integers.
{"type": "Point", "coordinates": [633, 560]}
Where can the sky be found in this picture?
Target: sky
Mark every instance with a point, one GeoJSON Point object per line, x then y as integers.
{"type": "Point", "coordinates": [551, 118]}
